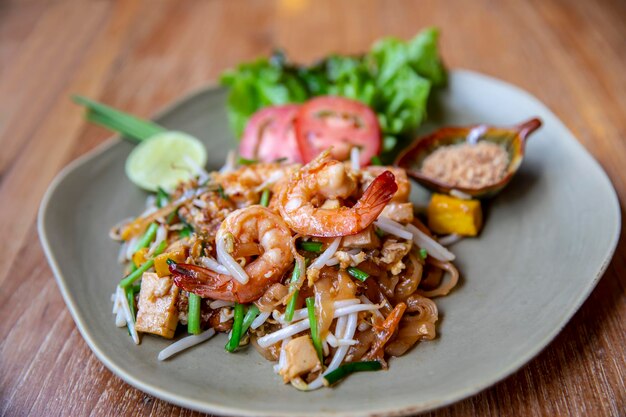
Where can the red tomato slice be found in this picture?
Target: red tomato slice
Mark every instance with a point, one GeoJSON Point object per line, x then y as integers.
{"type": "Point", "coordinates": [270, 135]}
{"type": "Point", "coordinates": [328, 121]}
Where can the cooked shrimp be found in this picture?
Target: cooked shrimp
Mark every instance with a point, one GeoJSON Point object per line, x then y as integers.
{"type": "Point", "coordinates": [402, 181]}
{"type": "Point", "coordinates": [246, 183]}
{"type": "Point", "coordinates": [323, 179]}
{"type": "Point", "coordinates": [251, 225]}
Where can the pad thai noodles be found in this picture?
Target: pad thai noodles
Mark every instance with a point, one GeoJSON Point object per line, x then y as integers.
{"type": "Point", "coordinates": [323, 268]}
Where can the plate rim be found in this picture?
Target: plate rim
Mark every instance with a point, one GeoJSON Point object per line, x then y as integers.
{"type": "Point", "coordinates": [472, 389]}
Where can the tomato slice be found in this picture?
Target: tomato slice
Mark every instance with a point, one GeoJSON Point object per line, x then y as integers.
{"type": "Point", "coordinates": [270, 135]}
{"type": "Point", "coordinates": [342, 123]}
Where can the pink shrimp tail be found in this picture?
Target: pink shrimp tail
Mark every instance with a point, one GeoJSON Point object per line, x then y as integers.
{"type": "Point", "coordinates": [202, 282]}
{"type": "Point", "coordinates": [375, 198]}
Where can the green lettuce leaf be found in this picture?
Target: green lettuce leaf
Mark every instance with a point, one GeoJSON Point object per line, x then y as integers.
{"type": "Point", "coordinates": [395, 78]}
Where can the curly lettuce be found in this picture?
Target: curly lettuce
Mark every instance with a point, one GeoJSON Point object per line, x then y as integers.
{"type": "Point", "coordinates": [394, 78]}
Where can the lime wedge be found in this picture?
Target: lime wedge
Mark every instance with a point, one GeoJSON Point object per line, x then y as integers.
{"type": "Point", "coordinates": [164, 160]}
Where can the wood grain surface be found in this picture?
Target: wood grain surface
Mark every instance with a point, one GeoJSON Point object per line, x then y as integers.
{"type": "Point", "coordinates": [140, 55]}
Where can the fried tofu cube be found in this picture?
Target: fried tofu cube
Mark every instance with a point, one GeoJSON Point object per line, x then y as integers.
{"type": "Point", "coordinates": [399, 212]}
{"type": "Point", "coordinates": [177, 255]}
{"type": "Point", "coordinates": [301, 358]}
{"type": "Point", "coordinates": [366, 239]}
{"type": "Point", "coordinates": [452, 215]}
{"type": "Point", "coordinates": [157, 312]}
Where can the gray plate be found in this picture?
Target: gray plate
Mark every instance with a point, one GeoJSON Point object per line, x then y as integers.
{"type": "Point", "coordinates": [548, 238]}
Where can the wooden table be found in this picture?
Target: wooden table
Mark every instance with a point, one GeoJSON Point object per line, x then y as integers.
{"type": "Point", "coordinates": [140, 55]}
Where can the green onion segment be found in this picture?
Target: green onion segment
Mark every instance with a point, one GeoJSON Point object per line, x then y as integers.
{"type": "Point", "coordinates": [291, 305]}
{"type": "Point", "coordinates": [315, 331]}
{"type": "Point", "coordinates": [357, 273]}
{"type": "Point", "coordinates": [193, 316]}
{"type": "Point", "coordinates": [136, 274]}
{"type": "Point", "coordinates": [235, 335]}
{"type": "Point", "coordinates": [127, 125]}
{"type": "Point", "coordinates": [265, 198]}
{"type": "Point", "coordinates": [351, 367]}
{"type": "Point", "coordinates": [251, 314]}
{"type": "Point", "coordinates": [311, 246]}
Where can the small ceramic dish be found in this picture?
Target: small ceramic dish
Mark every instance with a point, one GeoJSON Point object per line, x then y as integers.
{"type": "Point", "coordinates": [513, 140]}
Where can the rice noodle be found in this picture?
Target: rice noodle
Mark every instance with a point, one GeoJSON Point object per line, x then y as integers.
{"type": "Point", "coordinates": [260, 319]}
{"type": "Point", "coordinates": [161, 235]}
{"type": "Point", "coordinates": [120, 320]}
{"type": "Point", "coordinates": [115, 232]}
{"type": "Point", "coordinates": [395, 228]}
{"type": "Point", "coordinates": [355, 156]}
{"type": "Point", "coordinates": [340, 354]}
{"type": "Point", "coordinates": [271, 180]}
{"type": "Point", "coordinates": [303, 325]}
{"type": "Point", "coordinates": [131, 248]}
{"type": "Point", "coordinates": [449, 239]}
{"type": "Point", "coordinates": [229, 262]}
{"type": "Point", "coordinates": [185, 343]}
{"type": "Point", "coordinates": [282, 358]}
{"type": "Point", "coordinates": [212, 264]}
{"type": "Point", "coordinates": [199, 203]}
{"type": "Point", "coordinates": [230, 163]}
{"type": "Point", "coordinates": [303, 312]}
{"type": "Point", "coordinates": [377, 313]}
{"type": "Point", "coordinates": [433, 248]}
{"type": "Point", "coordinates": [220, 303]}
{"type": "Point", "coordinates": [129, 316]}
{"type": "Point", "coordinates": [442, 289]}
{"type": "Point", "coordinates": [326, 255]}
{"type": "Point", "coordinates": [200, 172]}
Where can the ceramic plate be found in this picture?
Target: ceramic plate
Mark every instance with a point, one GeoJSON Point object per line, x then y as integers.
{"type": "Point", "coordinates": [548, 238]}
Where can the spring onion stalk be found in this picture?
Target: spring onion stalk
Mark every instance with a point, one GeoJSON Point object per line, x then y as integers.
{"type": "Point", "coordinates": [130, 295]}
{"type": "Point", "coordinates": [246, 161]}
{"type": "Point", "coordinates": [379, 232]}
{"type": "Point", "coordinates": [193, 316]}
{"type": "Point", "coordinates": [162, 197]}
{"type": "Point", "coordinates": [235, 336]}
{"type": "Point", "coordinates": [315, 331]}
{"type": "Point", "coordinates": [376, 160]}
{"type": "Point", "coordinates": [186, 231]}
{"type": "Point", "coordinates": [351, 367]}
{"type": "Point", "coordinates": [250, 316]}
{"type": "Point", "coordinates": [423, 253]}
{"type": "Point", "coordinates": [147, 237]}
{"type": "Point", "coordinates": [358, 274]}
{"type": "Point", "coordinates": [220, 191]}
{"type": "Point", "coordinates": [135, 275]}
{"type": "Point", "coordinates": [291, 305]}
{"type": "Point", "coordinates": [265, 198]}
{"type": "Point", "coordinates": [311, 246]}
{"type": "Point", "coordinates": [123, 123]}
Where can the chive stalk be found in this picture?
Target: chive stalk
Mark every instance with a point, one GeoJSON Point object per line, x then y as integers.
{"type": "Point", "coordinates": [251, 314]}
{"type": "Point", "coordinates": [423, 253]}
{"type": "Point", "coordinates": [265, 198]}
{"type": "Point", "coordinates": [311, 246]}
{"type": "Point", "coordinates": [379, 232]}
{"type": "Point", "coordinates": [162, 197]}
{"type": "Point", "coordinates": [315, 331]}
{"type": "Point", "coordinates": [130, 296]}
{"type": "Point", "coordinates": [349, 368]}
{"type": "Point", "coordinates": [193, 315]}
{"type": "Point", "coordinates": [147, 237]}
{"type": "Point", "coordinates": [235, 335]}
{"type": "Point", "coordinates": [127, 125]}
{"type": "Point", "coordinates": [357, 273]}
{"type": "Point", "coordinates": [136, 274]}
{"type": "Point", "coordinates": [291, 305]}
{"type": "Point", "coordinates": [246, 161]}
{"type": "Point", "coordinates": [376, 160]}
